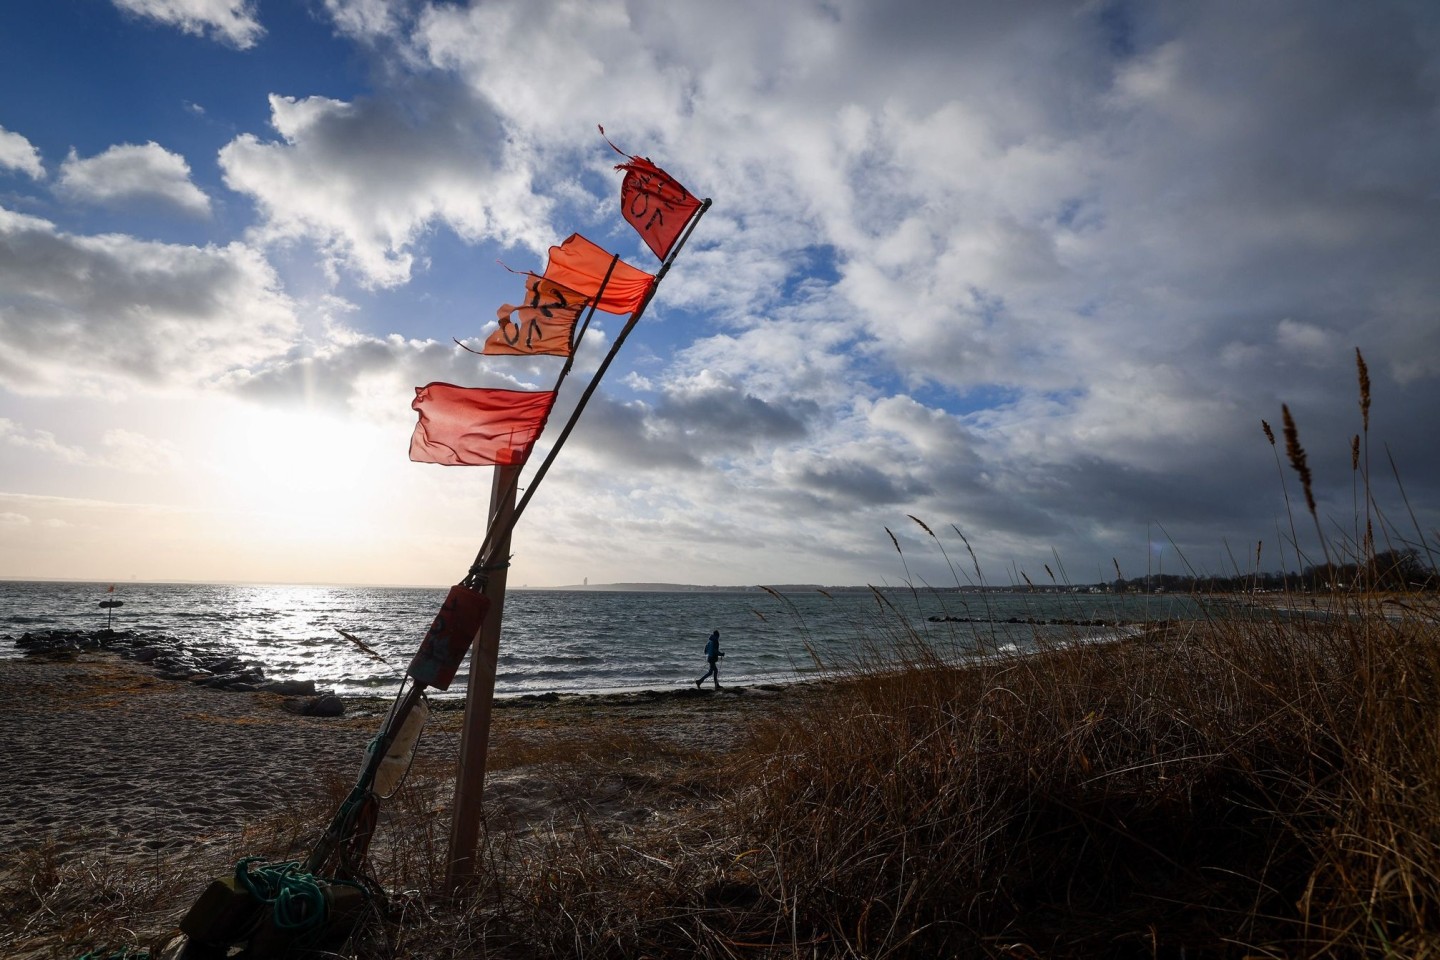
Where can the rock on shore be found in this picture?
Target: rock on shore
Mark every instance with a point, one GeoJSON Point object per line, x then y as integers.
{"type": "Point", "coordinates": [171, 659]}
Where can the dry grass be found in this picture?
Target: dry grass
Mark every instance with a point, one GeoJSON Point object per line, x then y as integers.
{"type": "Point", "coordinates": [1269, 785]}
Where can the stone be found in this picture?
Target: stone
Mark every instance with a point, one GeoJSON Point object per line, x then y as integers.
{"type": "Point", "coordinates": [326, 705]}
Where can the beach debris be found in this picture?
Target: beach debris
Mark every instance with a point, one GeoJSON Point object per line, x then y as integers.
{"type": "Point", "coordinates": [362, 645]}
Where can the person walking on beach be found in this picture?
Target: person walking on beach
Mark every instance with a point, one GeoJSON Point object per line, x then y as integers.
{"type": "Point", "coordinates": [712, 655]}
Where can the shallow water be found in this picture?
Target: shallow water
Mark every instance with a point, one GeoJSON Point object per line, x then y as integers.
{"type": "Point", "coordinates": [570, 641]}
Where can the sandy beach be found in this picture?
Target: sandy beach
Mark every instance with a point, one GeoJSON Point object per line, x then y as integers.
{"type": "Point", "coordinates": [106, 764]}
{"type": "Point", "coordinates": [100, 754]}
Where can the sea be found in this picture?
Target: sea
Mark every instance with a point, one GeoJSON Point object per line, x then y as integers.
{"type": "Point", "coordinates": [582, 641]}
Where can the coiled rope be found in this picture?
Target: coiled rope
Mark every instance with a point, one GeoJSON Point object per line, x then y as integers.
{"type": "Point", "coordinates": [296, 897]}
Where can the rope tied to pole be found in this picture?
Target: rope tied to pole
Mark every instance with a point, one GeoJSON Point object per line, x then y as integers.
{"type": "Point", "coordinates": [479, 574]}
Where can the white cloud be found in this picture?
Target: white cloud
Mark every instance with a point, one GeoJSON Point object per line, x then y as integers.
{"type": "Point", "coordinates": [41, 442]}
{"type": "Point", "coordinates": [128, 173]}
{"type": "Point", "coordinates": [17, 153]}
{"type": "Point", "coordinates": [121, 449]}
{"type": "Point", "coordinates": [136, 453]}
{"type": "Point", "coordinates": [367, 19]}
{"type": "Point", "coordinates": [232, 22]}
{"type": "Point", "coordinates": [366, 179]}
{"type": "Point", "coordinates": [94, 314]}
{"type": "Point", "coordinates": [1035, 269]}
{"type": "Point", "coordinates": [1307, 342]}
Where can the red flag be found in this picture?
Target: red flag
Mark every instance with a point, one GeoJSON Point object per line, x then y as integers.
{"type": "Point", "coordinates": [545, 324]}
{"type": "Point", "coordinates": [655, 203]}
{"type": "Point", "coordinates": [469, 426]}
{"type": "Point", "coordinates": [580, 265]}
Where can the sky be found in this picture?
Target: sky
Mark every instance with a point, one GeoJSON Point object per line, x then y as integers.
{"type": "Point", "coordinates": [987, 291]}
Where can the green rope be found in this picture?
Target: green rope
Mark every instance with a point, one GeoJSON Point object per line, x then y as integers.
{"type": "Point", "coordinates": [296, 897]}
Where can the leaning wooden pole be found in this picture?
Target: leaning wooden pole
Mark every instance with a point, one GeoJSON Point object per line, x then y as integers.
{"type": "Point", "coordinates": [480, 693]}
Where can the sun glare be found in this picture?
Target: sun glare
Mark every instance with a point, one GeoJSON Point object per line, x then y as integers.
{"type": "Point", "coordinates": [304, 476]}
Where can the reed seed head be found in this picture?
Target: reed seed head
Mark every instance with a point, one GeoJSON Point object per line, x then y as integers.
{"type": "Point", "coordinates": [923, 525]}
{"type": "Point", "coordinates": [1355, 452]}
{"type": "Point", "coordinates": [1296, 453]}
{"type": "Point", "coordinates": [1269, 434]}
{"type": "Point", "coordinates": [1364, 375]}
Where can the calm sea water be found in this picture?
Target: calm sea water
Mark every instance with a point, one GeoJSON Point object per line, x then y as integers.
{"type": "Point", "coordinates": [565, 641]}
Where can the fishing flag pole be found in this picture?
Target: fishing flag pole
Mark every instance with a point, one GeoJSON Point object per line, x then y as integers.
{"type": "Point", "coordinates": [228, 913]}
{"type": "Point", "coordinates": [491, 562]}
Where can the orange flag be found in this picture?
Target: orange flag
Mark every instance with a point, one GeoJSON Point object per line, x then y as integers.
{"type": "Point", "coordinates": [581, 265]}
{"type": "Point", "coordinates": [470, 426]}
{"type": "Point", "coordinates": [545, 324]}
{"type": "Point", "coordinates": [655, 203]}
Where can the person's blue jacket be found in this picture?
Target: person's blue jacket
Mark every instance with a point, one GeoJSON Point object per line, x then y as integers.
{"type": "Point", "coordinates": [712, 647]}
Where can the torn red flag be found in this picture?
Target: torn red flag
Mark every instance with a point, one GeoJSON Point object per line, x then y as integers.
{"type": "Point", "coordinates": [655, 203]}
{"type": "Point", "coordinates": [581, 265]}
{"type": "Point", "coordinates": [544, 324]}
{"type": "Point", "coordinates": [471, 426]}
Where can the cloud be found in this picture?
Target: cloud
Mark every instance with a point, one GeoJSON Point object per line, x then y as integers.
{"type": "Point", "coordinates": [40, 442]}
{"type": "Point", "coordinates": [95, 314]}
{"type": "Point", "coordinates": [231, 22]}
{"type": "Point", "coordinates": [1038, 303]}
{"type": "Point", "coordinates": [131, 173]}
{"type": "Point", "coordinates": [17, 153]}
{"type": "Point", "coordinates": [137, 453]}
{"type": "Point", "coordinates": [123, 450]}
{"type": "Point", "coordinates": [367, 19]}
{"type": "Point", "coordinates": [365, 179]}
{"type": "Point", "coordinates": [1048, 304]}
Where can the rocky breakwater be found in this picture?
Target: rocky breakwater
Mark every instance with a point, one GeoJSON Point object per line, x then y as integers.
{"type": "Point", "coordinates": [1035, 621]}
{"type": "Point", "coordinates": [171, 659]}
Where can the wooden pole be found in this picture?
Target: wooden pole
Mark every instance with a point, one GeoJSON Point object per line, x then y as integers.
{"type": "Point", "coordinates": [480, 692]}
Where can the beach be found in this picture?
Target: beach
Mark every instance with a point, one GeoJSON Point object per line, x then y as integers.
{"type": "Point", "coordinates": [110, 767]}
{"type": "Point", "coordinates": [1197, 786]}
{"type": "Point", "coordinates": [103, 755]}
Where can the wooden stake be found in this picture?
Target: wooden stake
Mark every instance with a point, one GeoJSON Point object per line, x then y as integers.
{"type": "Point", "coordinates": [480, 693]}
